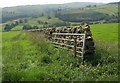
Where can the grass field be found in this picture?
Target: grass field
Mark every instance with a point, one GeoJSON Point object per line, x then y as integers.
{"type": "Point", "coordinates": [17, 28]}
{"type": "Point", "coordinates": [29, 56]}
{"type": "Point", "coordinates": [109, 9]}
{"type": "Point", "coordinates": [33, 22]}
{"type": "Point", "coordinates": [107, 32]}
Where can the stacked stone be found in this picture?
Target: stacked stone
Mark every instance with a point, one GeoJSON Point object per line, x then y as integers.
{"type": "Point", "coordinates": [89, 43]}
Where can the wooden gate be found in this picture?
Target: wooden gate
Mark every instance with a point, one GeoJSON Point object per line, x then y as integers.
{"type": "Point", "coordinates": [73, 41]}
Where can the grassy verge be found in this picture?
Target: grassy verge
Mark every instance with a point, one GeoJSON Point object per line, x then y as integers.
{"type": "Point", "coordinates": [29, 56]}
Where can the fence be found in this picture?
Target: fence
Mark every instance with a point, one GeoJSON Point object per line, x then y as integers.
{"type": "Point", "coordinates": [70, 41]}
{"type": "Point", "coordinates": [77, 39]}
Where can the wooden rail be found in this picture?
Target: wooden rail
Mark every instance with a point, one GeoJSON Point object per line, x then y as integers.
{"type": "Point", "coordinates": [68, 34]}
{"type": "Point", "coordinates": [70, 41]}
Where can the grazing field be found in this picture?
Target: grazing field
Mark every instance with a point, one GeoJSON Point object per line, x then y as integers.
{"type": "Point", "coordinates": [17, 28]}
{"type": "Point", "coordinates": [29, 56]}
{"type": "Point", "coordinates": [106, 32]}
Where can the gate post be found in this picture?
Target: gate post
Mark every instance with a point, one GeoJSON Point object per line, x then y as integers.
{"type": "Point", "coordinates": [83, 49]}
{"type": "Point", "coordinates": [75, 44]}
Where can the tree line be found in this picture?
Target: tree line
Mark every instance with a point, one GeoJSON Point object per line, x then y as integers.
{"type": "Point", "coordinates": [87, 17]}
{"type": "Point", "coordinates": [9, 26]}
{"type": "Point", "coordinates": [28, 27]}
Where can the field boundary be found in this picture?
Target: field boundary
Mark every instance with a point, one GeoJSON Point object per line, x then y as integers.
{"type": "Point", "coordinates": [77, 39]}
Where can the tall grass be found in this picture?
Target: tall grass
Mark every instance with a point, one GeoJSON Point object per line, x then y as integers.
{"type": "Point", "coordinates": [30, 57]}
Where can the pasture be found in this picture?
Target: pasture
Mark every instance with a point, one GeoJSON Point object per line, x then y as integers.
{"type": "Point", "coordinates": [29, 56]}
{"type": "Point", "coordinates": [105, 32]}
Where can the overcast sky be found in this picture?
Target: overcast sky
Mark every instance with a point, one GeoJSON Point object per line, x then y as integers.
{"type": "Point", "coordinates": [8, 3]}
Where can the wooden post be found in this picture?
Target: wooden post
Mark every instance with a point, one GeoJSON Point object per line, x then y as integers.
{"type": "Point", "coordinates": [75, 44]}
{"type": "Point", "coordinates": [83, 52]}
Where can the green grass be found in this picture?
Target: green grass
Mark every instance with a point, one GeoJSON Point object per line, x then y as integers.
{"type": "Point", "coordinates": [29, 56]}
{"type": "Point", "coordinates": [107, 9]}
{"type": "Point", "coordinates": [33, 22]}
{"type": "Point", "coordinates": [110, 9]}
{"type": "Point", "coordinates": [17, 28]}
{"type": "Point", "coordinates": [106, 32]}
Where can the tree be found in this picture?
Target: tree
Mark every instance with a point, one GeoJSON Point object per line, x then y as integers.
{"type": "Point", "coordinates": [39, 22]}
{"type": "Point", "coordinates": [35, 27]}
{"type": "Point", "coordinates": [27, 27]}
{"type": "Point", "coordinates": [49, 17]}
{"type": "Point", "coordinates": [12, 25]}
{"type": "Point", "coordinates": [7, 27]}
{"type": "Point", "coordinates": [88, 6]}
{"type": "Point", "coordinates": [20, 21]}
{"type": "Point", "coordinates": [25, 20]}
{"type": "Point", "coordinates": [94, 5]}
{"type": "Point", "coordinates": [16, 23]}
{"type": "Point", "coordinates": [46, 22]}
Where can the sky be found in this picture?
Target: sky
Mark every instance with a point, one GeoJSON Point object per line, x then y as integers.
{"type": "Point", "coordinates": [9, 3]}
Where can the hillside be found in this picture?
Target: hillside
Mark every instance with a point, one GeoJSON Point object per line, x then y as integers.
{"type": "Point", "coordinates": [70, 12]}
{"type": "Point", "coordinates": [39, 22]}
{"type": "Point", "coordinates": [11, 13]}
{"type": "Point", "coordinates": [55, 15]}
{"type": "Point", "coordinates": [105, 8]}
{"type": "Point", "coordinates": [90, 13]}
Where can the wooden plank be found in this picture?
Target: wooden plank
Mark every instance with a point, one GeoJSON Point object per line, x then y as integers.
{"type": "Point", "coordinates": [64, 44]}
{"type": "Point", "coordinates": [79, 47]}
{"type": "Point", "coordinates": [67, 45]}
{"type": "Point", "coordinates": [72, 40]}
{"type": "Point", "coordinates": [69, 34]}
{"type": "Point", "coordinates": [64, 39]}
{"type": "Point", "coordinates": [79, 52]}
{"type": "Point", "coordinates": [58, 46]}
{"type": "Point", "coordinates": [83, 48]}
{"type": "Point", "coordinates": [75, 42]}
{"type": "Point", "coordinates": [79, 56]}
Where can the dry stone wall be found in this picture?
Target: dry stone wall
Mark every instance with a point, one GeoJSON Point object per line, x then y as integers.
{"type": "Point", "coordinates": [89, 42]}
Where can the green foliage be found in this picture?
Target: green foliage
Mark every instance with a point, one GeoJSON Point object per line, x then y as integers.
{"type": "Point", "coordinates": [8, 27]}
{"type": "Point", "coordinates": [46, 59]}
{"type": "Point", "coordinates": [40, 22]}
{"type": "Point", "coordinates": [27, 27]}
{"type": "Point", "coordinates": [29, 56]}
{"type": "Point", "coordinates": [20, 21]}
{"type": "Point", "coordinates": [17, 28]}
{"type": "Point", "coordinates": [82, 17]}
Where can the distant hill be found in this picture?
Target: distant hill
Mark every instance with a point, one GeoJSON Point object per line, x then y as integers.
{"type": "Point", "coordinates": [105, 13]}
{"type": "Point", "coordinates": [57, 15]}
{"type": "Point", "coordinates": [68, 12]}
{"type": "Point", "coordinates": [115, 2]}
{"type": "Point", "coordinates": [11, 13]}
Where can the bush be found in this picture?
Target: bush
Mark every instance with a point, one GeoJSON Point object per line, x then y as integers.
{"type": "Point", "coordinates": [46, 59]}
{"type": "Point", "coordinates": [27, 27]}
